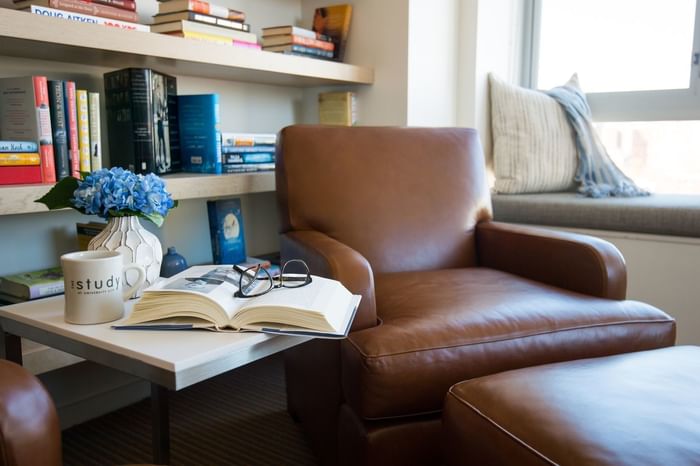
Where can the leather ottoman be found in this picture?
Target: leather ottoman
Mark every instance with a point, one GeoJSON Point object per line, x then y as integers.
{"type": "Point", "coordinates": [639, 408]}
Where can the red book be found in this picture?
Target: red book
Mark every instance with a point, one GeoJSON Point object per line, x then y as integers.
{"type": "Point", "coordinates": [41, 103]}
{"type": "Point", "coordinates": [20, 174]}
{"type": "Point", "coordinates": [72, 124]}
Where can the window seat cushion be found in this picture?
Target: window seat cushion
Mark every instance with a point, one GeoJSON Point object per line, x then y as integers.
{"type": "Point", "coordinates": [658, 214]}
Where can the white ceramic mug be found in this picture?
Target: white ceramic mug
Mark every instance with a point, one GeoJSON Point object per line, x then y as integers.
{"type": "Point", "coordinates": [95, 285]}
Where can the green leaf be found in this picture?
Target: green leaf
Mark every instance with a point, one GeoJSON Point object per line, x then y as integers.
{"type": "Point", "coordinates": [158, 219]}
{"type": "Point", "coordinates": [60, 194]}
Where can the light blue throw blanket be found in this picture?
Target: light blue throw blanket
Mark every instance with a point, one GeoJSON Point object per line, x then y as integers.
{"type": "Point", "coordinates": [597, 173]}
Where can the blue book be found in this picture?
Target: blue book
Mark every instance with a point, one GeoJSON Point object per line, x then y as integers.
{"type": "Point", "coordinates": [200, 133]}
{"type": "Point", "coordinates": [226, 149]}
{"type": "Point", "coordinates": [59, 129]}
{"type": "Point", "coordinates": [226, 227]}
{"type": "Point", "coordinates": [249, 157]}
{"type": "Point", "coordinates": [19, 146]}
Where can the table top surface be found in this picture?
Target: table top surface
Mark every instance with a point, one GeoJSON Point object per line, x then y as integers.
{"type": "Point", "coordinates": [199, 353]}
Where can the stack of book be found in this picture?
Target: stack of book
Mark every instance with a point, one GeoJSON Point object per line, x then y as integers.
{"type": "Point", "coordinates": [201, 20]}
{"type": "Point", "coordinates": [248, 152]}
{"type": "Point", "coordinates": [113, 13]}
{"type": "Point", "coordinates": [31, 285]}
{"type": "Point", "coordinates": [51, 119]}
{"type": "Point", "coordinates": [294, 40]}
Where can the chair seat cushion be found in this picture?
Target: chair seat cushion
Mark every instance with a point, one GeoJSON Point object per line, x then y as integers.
{"type": "Point", "coordinates": [444, 326]}
{"type": "Point", "coordinates": [623, 410]}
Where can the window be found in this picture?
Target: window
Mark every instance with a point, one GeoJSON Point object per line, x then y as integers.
{"type": "Point", "coordinates": [637, 61]}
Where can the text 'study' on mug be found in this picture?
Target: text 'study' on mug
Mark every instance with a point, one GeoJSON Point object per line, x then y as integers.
{"type": "Point", "coordinates": [95, 285]}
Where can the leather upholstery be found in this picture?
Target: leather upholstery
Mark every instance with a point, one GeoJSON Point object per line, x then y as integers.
{"type": "Point", "coordinates": [402, 216]}
{"type": "Point", "coordinates": [629, 409]}
{"type": "Point", "coordinates": [29, 428]}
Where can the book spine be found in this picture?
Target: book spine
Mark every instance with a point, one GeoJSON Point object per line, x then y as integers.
{"type": "Point", "coordinates": [95, 131]}
{"type": "Point", "coordinates": [173, 124]}
{"type": "Point", "coordinates": [310, 51]}
{"type": "Point", "coordinates": [249, 157]}
{"type": "Point", "coordinates": [248, 139]}
{"type": "Point", "coordinates": [246, 45]}
{"type": "Point", "coordinates": [227, 23]}
{"type": "Point", "coordinates": [200, 133]}
{"type": "Point", "coordinates": [83, 18]}
{"type": "Point", "coordinates": [43, 116]}
{"type": "Point", "coordinates": [70, 105]}
{"type": "Point", "coordinates": [83, 129]}
{"type": "Point", "coordinates": [123, 4]}
{"type": "Point", "coordinates": [213, 232]}
{"type": "Point", "coordinates": [18, 146]}
{"type": "Point", "coordinates": [22, 174]}
{"type": "Point", "coordinates": [95, 9]}
{"type": "Point", "coordinates": [248, 167]}
{"type": "Point", "coordinates": [229, 149]}
{"type": "Point", "coordinates": [59, 128]}
{"type": "Point", "coordinates": [315, 43]}
{"type": "Point", "coordinates": [19, 158]}
{"type": "Point", "coordinates": [199, 6]}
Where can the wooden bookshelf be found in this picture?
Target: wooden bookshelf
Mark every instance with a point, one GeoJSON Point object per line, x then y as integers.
{"type": "Point", "coordinates": [27, 35]}
{"type": "Point", "coordinates": [20, 199]}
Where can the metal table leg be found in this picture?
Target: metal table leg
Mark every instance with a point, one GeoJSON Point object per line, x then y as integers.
{"type": "Point", "coordinates": [13, 348]}
{"type": "Point", "coordinates": [160, 418]}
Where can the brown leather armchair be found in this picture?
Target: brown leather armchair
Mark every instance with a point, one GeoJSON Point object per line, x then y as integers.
{"type": "Point", "coordinates": [402, 216]}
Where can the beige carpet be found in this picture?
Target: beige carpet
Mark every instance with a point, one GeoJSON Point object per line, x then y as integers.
{"type": "Point", "coordinates": [237, 418]}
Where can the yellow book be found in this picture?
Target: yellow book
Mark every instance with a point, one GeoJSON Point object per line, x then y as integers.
{"type": "Point", "coordinates": [19, 158]}
{"type": "Point", "coordinates": [83, 129]}
{"type": "Point", "coordinates": [337, 108]}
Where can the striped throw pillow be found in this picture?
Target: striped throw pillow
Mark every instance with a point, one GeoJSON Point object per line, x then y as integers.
{"type": "Point", "coordinates": [534, 148]}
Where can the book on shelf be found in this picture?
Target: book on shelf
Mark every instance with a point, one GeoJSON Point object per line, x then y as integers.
{"type": "Point", "coordinates": [200, 18]}
{"type": "Point", "coordinates": [25, 116]}
{"type": "Point", "coordinates": [248, 139]}
{"type": "Point", "coordinates": [95, 130]}
{"type": "Point", "coordinates": [337, 108]}
{"type": "Point", "coordinates": [301, 50]}
{"type": "Point", "coordinates": [289, 39]}
{"type": "Point", "coordinates": [21, 174]}
{"type": "Point", "coordinates": [223, 40]}
{"type": "Point", "coordinates": [226, 231]}
{"type": "Point", "coordinates": [87, 231]}
{"type": "Point", "coordinates": [81, 99]}
{"type": "Point", "coordinates": [201, 6]}
{"type": "Point", "coordinates": [34, 284]}
{"type": "Point", "coordinates": [247, 157]}
{"type": "Point", "coordinates": [203, 28]}
{"type": "Point", "coordinates": [19, 146]}
{"type": "Point", "coordinates": [83, 7]}
{"type": "Point", "coordinates": [232, 149]}
{"type": "Point", "coordinates": [293, 30]}
{"type": "Point", "coordinates": [248, 167]}
{"type": "Point", "coordinates": [84, 18]}
{"type": "Point", "coordinates": [71, 106]}
{"type": "Point", "coordinates": [142, 120]}
{"type": "Point", "coordinates": [123, 4]}
{"type": "Point", "coordinates": [334, 22]}
{"type": "Point", "coordinates": [19, 158]}
{"type": "Point", "coordinates": [200, 133]}
{"type": "Point", "coordinates": [202, 297]}
{"type": "Point", "coordinates": [59, 128]}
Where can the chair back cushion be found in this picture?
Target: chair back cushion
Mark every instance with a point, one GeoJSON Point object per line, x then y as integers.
{"type": "Point", "coordinates": [405, 198]}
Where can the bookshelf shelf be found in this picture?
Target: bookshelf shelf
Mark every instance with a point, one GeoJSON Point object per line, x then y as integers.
{"type": "Point", "coordinates": [20, 199]}
{"type": "Point", "coordinates": [32, 36]}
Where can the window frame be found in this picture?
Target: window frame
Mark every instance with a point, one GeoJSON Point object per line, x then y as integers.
{"type": "Point", "coordinates": [653, 105]}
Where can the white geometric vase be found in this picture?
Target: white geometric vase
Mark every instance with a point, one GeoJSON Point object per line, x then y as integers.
{"type": "Point", "coordinates": [140, 246]}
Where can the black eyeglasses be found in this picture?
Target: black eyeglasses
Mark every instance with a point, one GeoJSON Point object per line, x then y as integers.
{"type": "Point", "coordinates": [256, 280]}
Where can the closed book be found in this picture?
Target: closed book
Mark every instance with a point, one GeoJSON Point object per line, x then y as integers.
{"type": "Point", "coordinates": [81, 98]}
{"type": "Point", "coordinates": [294, 30]}
{"type": "Point", "coordinates": [302, 50]}
{"type": "Point", "coordinates": [248, 139]}
{"type": "Point", "coordinates": [142, 120]}
{"type": "Point", "coordinates": [200, 6]}
{"type": "Point", "coordinates": [203, 28]}
{"type": "Point", "coordinates": [226, 229]}
{"type": "Point", "coordinates": [95, 130]}
{"type": "Point", "coordinates": [337, 108]}
{"type": "Point", "coordinates": [18, 146]}
{"type": "Point", "coordinates": [200, 18]}
{"type": "Point", "coordinates": [19, 158]}
{"type": "Point", "coordinates": [200, 133]}
{"type": "Point", "coordinates": [223, 40]}
{"type": "Point", "coordinates": [84, 7]}
{"type": "Point", "coordinates": [85, 18]}
{"type": "Point", "coordinates": [25, 116]}
{"type": "Point", "coordinates": [248, 167]}
{"type": "Point", "coordinates": [71, 107]}
{"type": "Point", "coordinates": [59, 129]}
{"type": "Point", "coordinates": [249, 157]}
{"type": "Point", "coordinates": [334, 22]}
{"type": "Point", "coordinates": [226, 148]}
{"type": "Point", "coordinates": [289, 39]}
{"type": "Point", "coordinates": [21, 174]}
{"type": "Point", "coordinates": [33, 285]}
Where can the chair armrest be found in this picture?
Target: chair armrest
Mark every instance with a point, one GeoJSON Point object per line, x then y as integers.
{"type": "Point", "coordinates": [580, 263]}
{"type": "Point", "coordinates": [330, 258]}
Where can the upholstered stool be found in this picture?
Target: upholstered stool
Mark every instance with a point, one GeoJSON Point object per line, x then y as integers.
{"type": "Point", "coordinates": [638, 408]}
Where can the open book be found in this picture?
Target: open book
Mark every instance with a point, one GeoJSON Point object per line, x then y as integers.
{"type": "Point", "coordinates": [203, 297]}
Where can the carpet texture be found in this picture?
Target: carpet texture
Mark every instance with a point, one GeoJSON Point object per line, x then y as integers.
{"type": "Point", "coordinates": [238, 418]}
